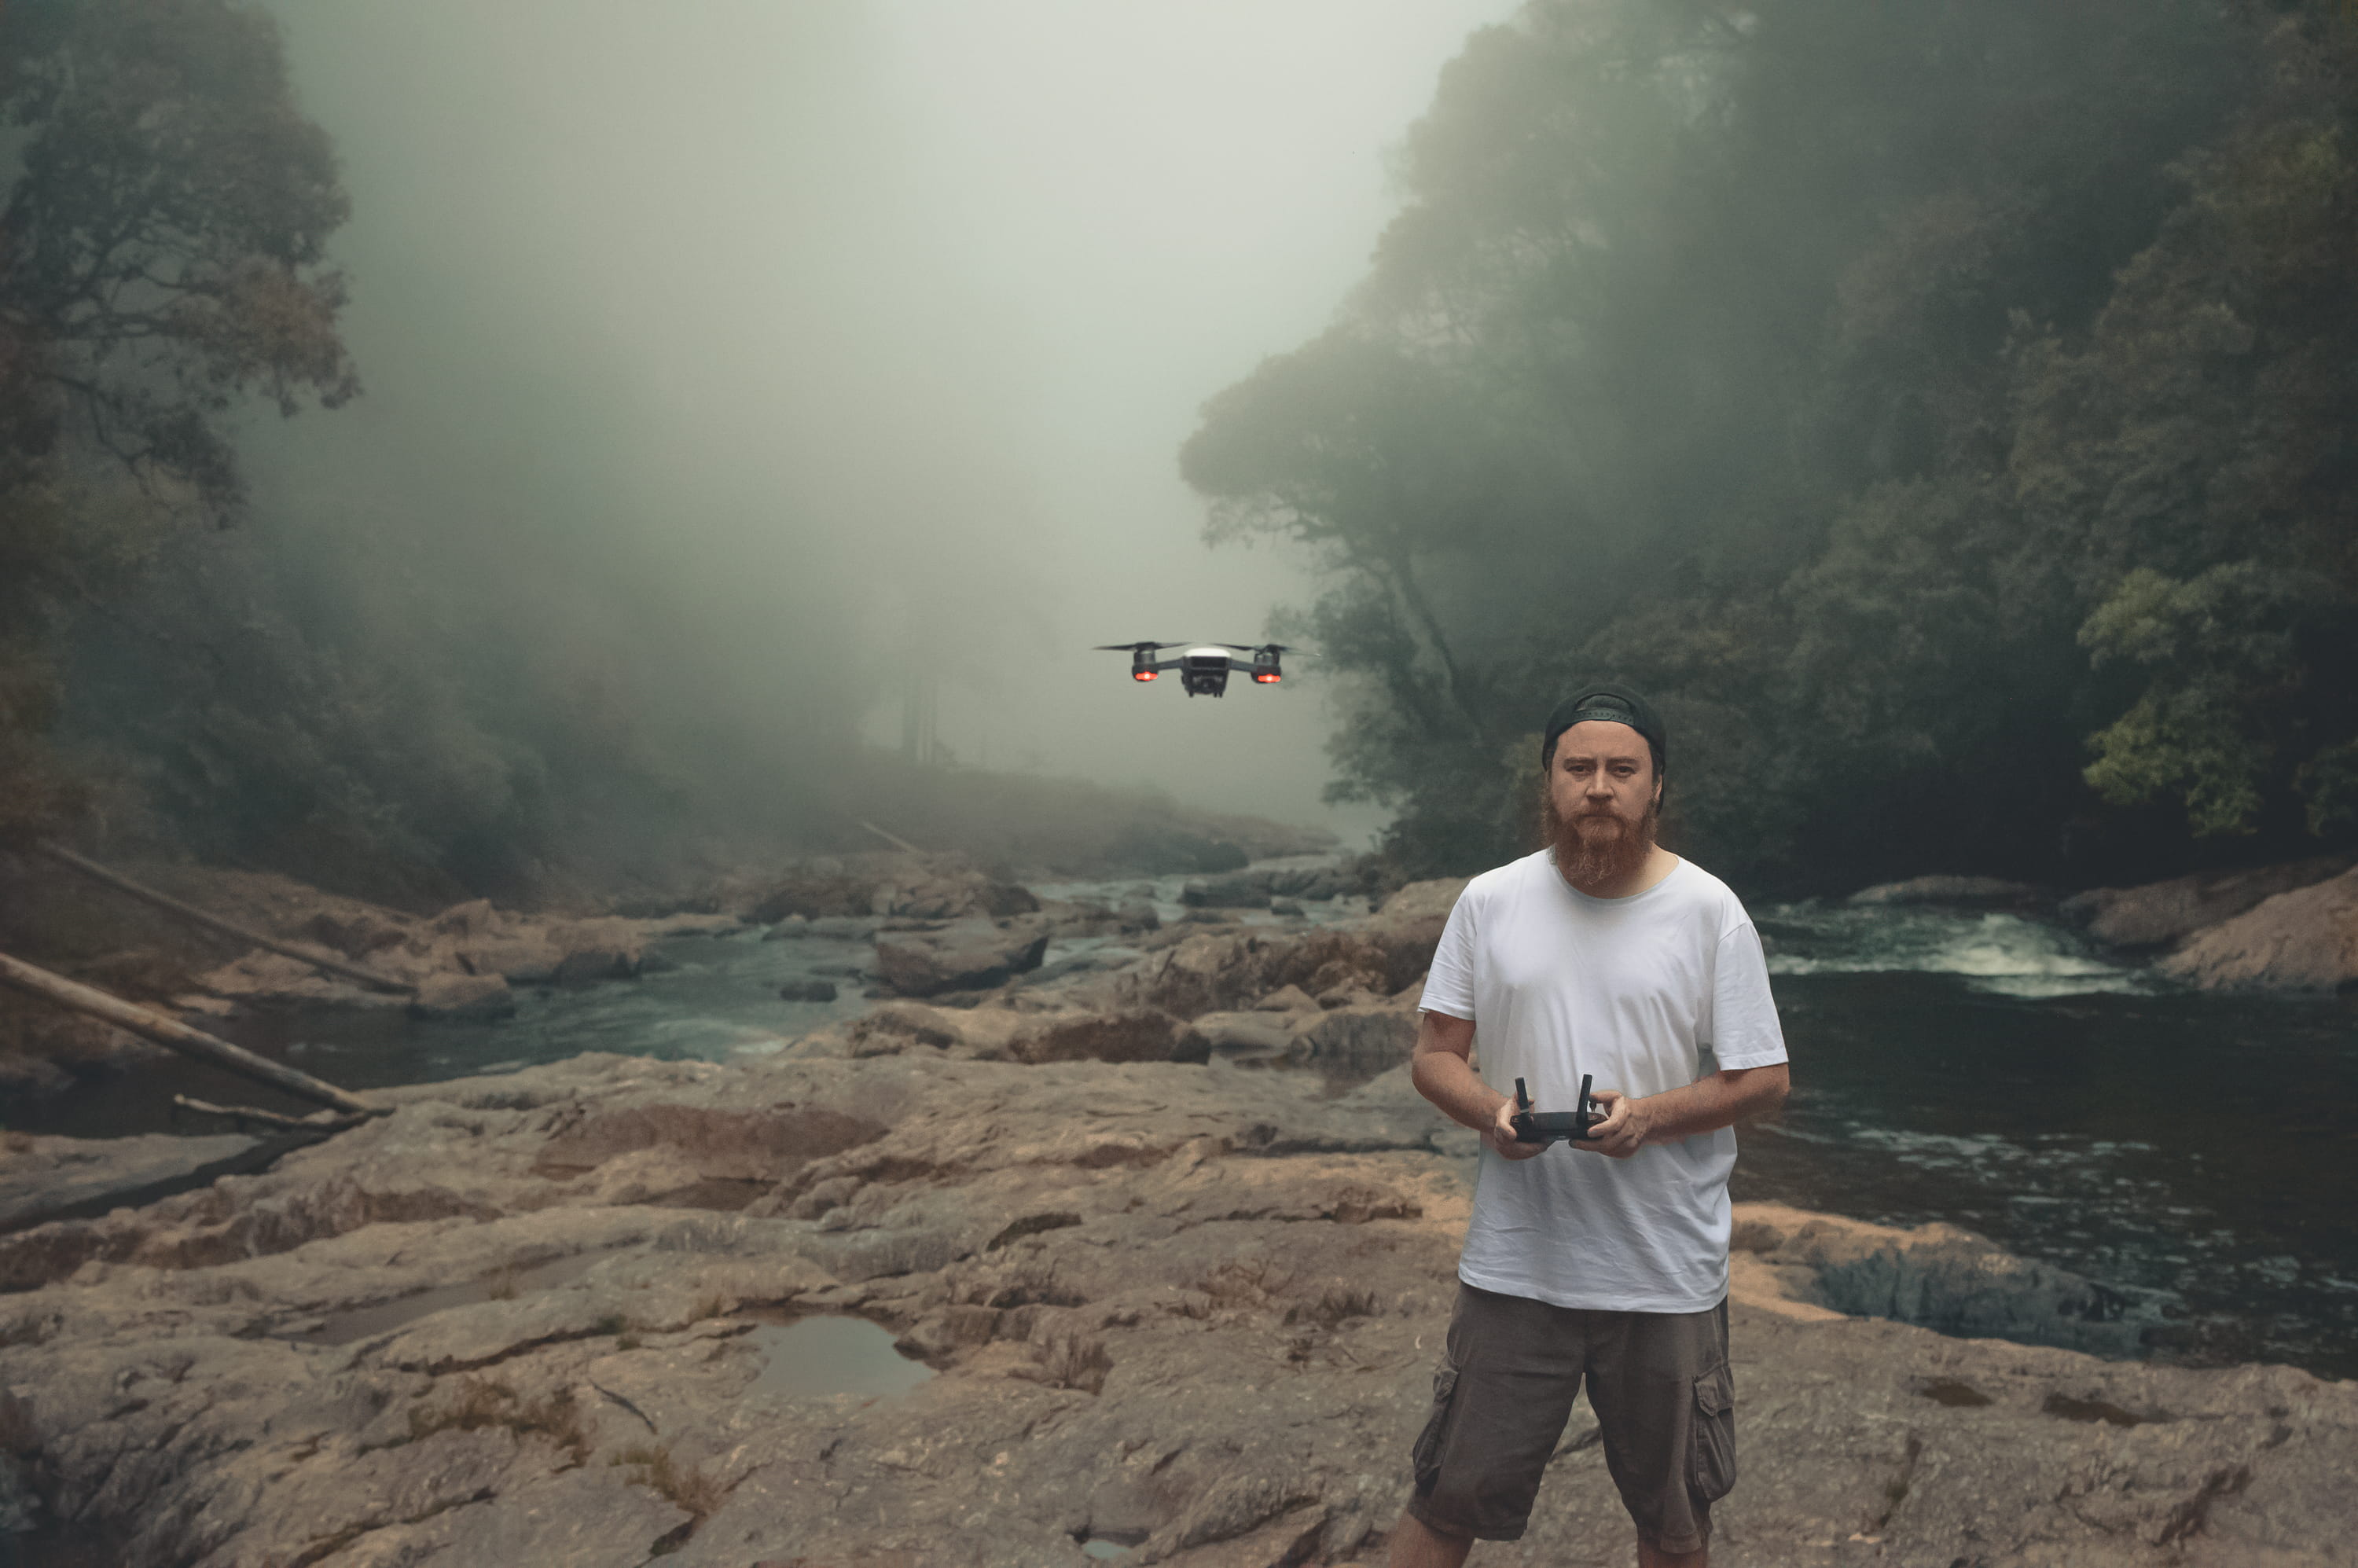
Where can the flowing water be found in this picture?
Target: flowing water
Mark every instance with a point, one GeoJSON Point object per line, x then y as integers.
{"type": "Point", "coordinates": [2194, 1152]}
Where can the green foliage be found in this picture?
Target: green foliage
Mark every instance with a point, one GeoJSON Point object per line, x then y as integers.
{"type": "Point", "coordinates": [161, 250]}
{"type": "Point", "coordinates": [161, 265]}
{"type": "Point", "coordinates": [1908, 397]}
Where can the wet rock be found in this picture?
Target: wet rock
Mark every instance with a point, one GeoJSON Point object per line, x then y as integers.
{"type": "Point", "coordinates": [807, 991]}
{"type": "Point", "coordinates": [2160, 913]}
{"type": "Point", "coordinates": [1137, 915]}
{"type": "Point", "coordinates": [520, 960]}
{"type": "Point", "coordinates": [787, 930]}
{"type": "Point", "coordinates": [1975, 892]}
{"type": "Point", "coordinates": [1284, 906]}
{"type": "Point", "coordinates": [1374, 1038]}
{"type": "Point", "coordinates": [1133, 1035]}
{"type": "Point", "coordinates": [41, 1177]}
{"type": "Point", "coordinates": [463, 996]}
{"type": "Point", "coordinates": [603, 949]}
{"type": "Point", "coordinates": [1937, 1276]}
{"type": "Point", "coordinates": [1238, 890]}
{"type": "Point", "coordinates": [2303, 940]}
{"type": "Point", "coordinates": [966, 954]}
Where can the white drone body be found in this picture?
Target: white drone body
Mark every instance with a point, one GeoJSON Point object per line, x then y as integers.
{"type": "Point", "coordinates": [1204, 668]}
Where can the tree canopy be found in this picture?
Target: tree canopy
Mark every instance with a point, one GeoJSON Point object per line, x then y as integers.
{"type": "Point", "coordinates": [161, 265]}
{"type": "Point", "coordinates": [1944, 410]}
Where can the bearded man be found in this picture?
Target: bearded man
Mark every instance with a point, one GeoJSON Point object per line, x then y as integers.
{"type": "Point", "coordinates": [1602, 1261]}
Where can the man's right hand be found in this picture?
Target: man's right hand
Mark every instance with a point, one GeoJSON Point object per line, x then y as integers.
{"type": "Point", "coordinates": [1499, 1136]}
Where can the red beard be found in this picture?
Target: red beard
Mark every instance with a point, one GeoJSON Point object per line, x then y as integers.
{"type": "Point", "coordinates": [1593, 847]}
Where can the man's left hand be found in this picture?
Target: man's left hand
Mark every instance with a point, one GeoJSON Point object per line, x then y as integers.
{"type": "Point", "coordinates": [1623, 1132]}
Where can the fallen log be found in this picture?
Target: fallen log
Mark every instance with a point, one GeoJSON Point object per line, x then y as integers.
{"type": "Point", "coordinates": [189, 912]}
{"type": "Point", "coordinates": [319, 1122]}
{"type": "Point", "coordinates": [172, 1033]}
{"type": "Point", "coordinates": [892, 838]}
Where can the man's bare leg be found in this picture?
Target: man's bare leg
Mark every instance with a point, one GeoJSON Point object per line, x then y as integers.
{"type": "Point", "coordinates": [1415, 1545]}
{"type": "Point", "coordinates": [1655, 1557]}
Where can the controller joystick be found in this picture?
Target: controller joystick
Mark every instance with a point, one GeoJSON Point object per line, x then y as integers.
{"type": "Point", "coordinates": [1547, 1126]}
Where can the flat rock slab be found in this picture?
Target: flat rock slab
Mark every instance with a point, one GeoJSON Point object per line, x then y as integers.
{"type": "Point", "coordinates": [1197, 1308]}
{"type": "Point", "coordinates": [45, 1178]}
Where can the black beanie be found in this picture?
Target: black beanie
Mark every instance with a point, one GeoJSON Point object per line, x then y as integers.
{"type": "Point", "coordinates": [1614, 704]}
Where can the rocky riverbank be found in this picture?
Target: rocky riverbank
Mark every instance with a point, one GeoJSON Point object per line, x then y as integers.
{"type": "Point", "coordinates": [1177, 1297]}
{"type": "Point", "coordinates": [1192, 1310]}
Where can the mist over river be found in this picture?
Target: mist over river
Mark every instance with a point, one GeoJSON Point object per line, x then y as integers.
{"type": "Point", "coordinates": [2192, 1151]}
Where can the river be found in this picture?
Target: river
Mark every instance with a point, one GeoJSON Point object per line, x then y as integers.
{"type": "Point", "coordinates": [2194, 1152]}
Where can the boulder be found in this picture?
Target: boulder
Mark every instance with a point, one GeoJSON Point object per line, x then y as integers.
{"type": "Point", "coordinates": [1974, 892]}
{"type": "Point", "coordinates": [603, 949]}
{"type": "Point", "coordinates": [1238, 889]}
{"type": "Point", "coordinates": [1132, 1034]}
{"type": "Point", "coordinates": [2158, 915]}
{"type": "Point", "coordinates": [1287, 999]}
{"type": "Point", "coordinates": [1369, 1038]}
{"type": "Point", "coordinates": [473, 918]}
{"type": "Point", "coordinates": [2302, 940]}
{"type": "Point", "coordinates": [525, 960]}
{"type": "Point", "coordinates": [966, 955]}
{"type": "Point", "coordinates": [463, 996]}
{"type": "Point", "coordinates": [807, 991]}
{"type": "Point", "coordinates": [355, 932]}
{"type": "Point", "coordinates": [982, 1032]}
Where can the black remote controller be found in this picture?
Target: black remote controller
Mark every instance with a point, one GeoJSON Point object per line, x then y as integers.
{"type": "Point", "coordinates": [1547, 1126]}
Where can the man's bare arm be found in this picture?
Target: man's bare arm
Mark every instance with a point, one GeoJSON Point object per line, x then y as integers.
{"type": "Point", "coordinates": [1442, 1070]}
{"type": "Point", "coordinates": [1706, 1105]}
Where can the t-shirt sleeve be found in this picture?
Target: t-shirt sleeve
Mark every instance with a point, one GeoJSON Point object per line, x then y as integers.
{"type": "Point", "coordinates": [1449, 984]}
{"type": "Point", "coordinates": [1744, 1029]}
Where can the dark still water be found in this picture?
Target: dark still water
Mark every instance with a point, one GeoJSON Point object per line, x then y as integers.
{"type": "Point", "coordinates": [2196, 1153]}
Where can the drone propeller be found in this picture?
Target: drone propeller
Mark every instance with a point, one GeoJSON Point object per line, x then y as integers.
{"type": "Point", "coordinates": [1261, 648]}
{"type": "Point", "coordinates": [1132, 647]}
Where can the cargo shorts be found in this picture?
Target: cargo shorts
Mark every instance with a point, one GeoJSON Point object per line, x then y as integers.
{"type": "Point", "coordinates": [1658, 1381]}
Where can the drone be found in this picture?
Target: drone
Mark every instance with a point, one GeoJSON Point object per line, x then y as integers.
{"type": "Point", "coordinates": [1202, 669]}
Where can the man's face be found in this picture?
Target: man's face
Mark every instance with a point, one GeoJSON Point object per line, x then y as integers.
{"type": "Point", "coordinates": [1603, 772]}
{"type": "Point", "coordinates": [1601, 795]}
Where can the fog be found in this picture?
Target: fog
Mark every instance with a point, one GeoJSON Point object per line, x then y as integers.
{"type": "Point", "coordinates": [785, 371]}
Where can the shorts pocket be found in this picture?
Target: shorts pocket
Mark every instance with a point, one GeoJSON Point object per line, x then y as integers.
{"type": "Point", "coordinates": [1711, 1457]}
{"type": "Point", "coordinates": [1424, 1458]}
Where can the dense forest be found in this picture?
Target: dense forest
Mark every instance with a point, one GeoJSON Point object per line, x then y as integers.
{"type": "Point", "coordinates": [407, 671]}
{"type": "Point", "coordinates": [1948, 412]}
{"type": "Point", "coordinates": [1944, 410]}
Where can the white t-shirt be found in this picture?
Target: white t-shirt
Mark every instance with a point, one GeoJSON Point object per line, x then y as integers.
{"type": "Point", "coordinates": [1647, 993]}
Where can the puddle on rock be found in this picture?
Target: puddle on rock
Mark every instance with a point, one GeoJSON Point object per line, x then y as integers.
{"type": "Point", "coordinates": [1099, 1546]}
{"type": "Point", "coordinates": [815, 1357]}
{"type": "Point", "coordinates": [1950, 1392]}
{"type": "Point", "coordinates": [364, 1323]}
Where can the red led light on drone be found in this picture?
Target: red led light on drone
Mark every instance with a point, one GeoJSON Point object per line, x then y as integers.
{"type": "Point", "coordinates": [1267, 677]}
{"type": "Point", "coordinates": [1142, 675]}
